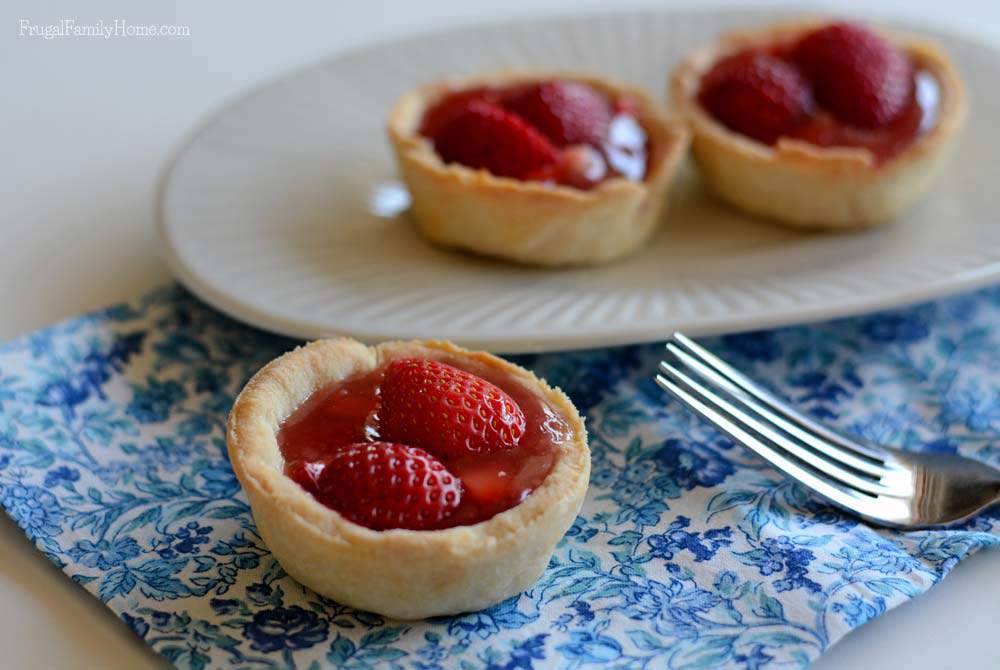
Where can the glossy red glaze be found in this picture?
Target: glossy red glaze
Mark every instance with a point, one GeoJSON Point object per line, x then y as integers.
{"type": "Point", "coordinates": [621, 152]}
{"type": "Point", "coordinates": [346, 412]}
{"type": "Point", "coordinates": [823, 129]}
{"type": "Point", "coordinates": [919, 117]}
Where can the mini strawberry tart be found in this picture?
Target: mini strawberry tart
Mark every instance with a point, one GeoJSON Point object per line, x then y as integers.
{"type": "Point", "coordinates": [412, 479]}
{"type": "Point", "coordinates": [826, 125]}
{"type": "Point", "coordinates": [540, 168]}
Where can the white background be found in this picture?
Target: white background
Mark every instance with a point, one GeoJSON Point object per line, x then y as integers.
{"type": "Point", "coordinates": [86, 125]}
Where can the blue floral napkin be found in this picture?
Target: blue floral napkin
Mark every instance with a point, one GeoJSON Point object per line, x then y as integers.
{"type": "Point", "coordinates": [689, 552]}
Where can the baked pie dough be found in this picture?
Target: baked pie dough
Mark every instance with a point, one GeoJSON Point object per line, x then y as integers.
{"type": "Point", "coordinates": [807, 185]}
{"type": "Point", "coordinates": [530, 221]}
{"type": "Point", "coordinates": [405, 574]}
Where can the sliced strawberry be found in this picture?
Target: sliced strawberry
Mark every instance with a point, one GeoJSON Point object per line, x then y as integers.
{"type": "Point", "coordinates": [306, 474]}
{"type": "Point", "coordinates": [756, 94]}
{"type": "Point", "coordinates": [547, 173]}
{"type": "Point", "coordinates": [626, 105]}
{"type": "Point", "coordinates": [485, 136]}
{"type": "Point", "coordinates": [438, 116]}
{"type": "Point", "coordinates": [580, 166]}
{"type": "Point", "coordinates": [860, 77]}
{"type": "Point", "coordinates": [382, 485]}
{"type": "Point", "coordinates": [567, 112]}
{"type": "Point", "coordinates": [446, 411]}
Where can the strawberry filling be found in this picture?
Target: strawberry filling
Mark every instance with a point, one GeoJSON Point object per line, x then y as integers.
{"type": "Point", "coordinates": [422, 444]}
{"type": "Point", "coordinates": [559, 132]}
{"type": "Point", "coordinates": [837, 86]}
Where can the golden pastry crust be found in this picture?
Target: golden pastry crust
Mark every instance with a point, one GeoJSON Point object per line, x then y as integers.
{"type": "Point", "coordinates": [531, 222]}
{"type": "Point", "coordinates": [399, 573]}
{"type": "Point", "coordinates": [802, 184]}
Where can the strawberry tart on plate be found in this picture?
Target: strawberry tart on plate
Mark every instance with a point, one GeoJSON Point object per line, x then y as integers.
{"type": "Point", "coordinates": [820, 124]}
{"type": "Point", "coordinates": [412, 479]}
{"type": "Point", "coordinates": [544, 168]}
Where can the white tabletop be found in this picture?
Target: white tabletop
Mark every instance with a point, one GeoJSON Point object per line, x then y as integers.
{"type": "Point", "coordinates": [86, 125]}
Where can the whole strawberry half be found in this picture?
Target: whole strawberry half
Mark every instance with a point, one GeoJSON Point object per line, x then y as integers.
{"type": "Point", "coordinates": [486, 136]}
{"type": "Point", "coordinates": [567, 112]}
{"type": "Point", "coordinates": [446, 411]}
{"type": "Point", "coordinates": [382, 485]}
{"type": "Point", "coordinates": [860, 77]}
{"type": "Point", "coordinates": [756, 94]}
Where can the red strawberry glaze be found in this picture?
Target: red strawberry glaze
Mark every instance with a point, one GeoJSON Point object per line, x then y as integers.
{"type": "Point", "coordinates": [919, 117]}
{"type": "Point", "coordinates": [822, 128]}
{"type": "Point", "coordinates": [590, 137]}
{"type": "Point", "coordinates": [344, 413]}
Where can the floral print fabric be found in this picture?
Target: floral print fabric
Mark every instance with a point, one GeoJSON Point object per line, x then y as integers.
{"type": "Point", "coordinates": [688, 553]}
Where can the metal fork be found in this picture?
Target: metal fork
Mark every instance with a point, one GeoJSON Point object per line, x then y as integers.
{"type": "Point", "coordinates": [886, 486]}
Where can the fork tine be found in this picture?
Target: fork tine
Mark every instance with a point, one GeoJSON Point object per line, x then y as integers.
{"type": "Point", "coordinates": [847, 458]}
{"type": "Point", "coordinates": [780, 441]}
{"type": "Point", "coordinates": [827, 488]}
{"type": "Point", "coordinates": [776, 405]}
